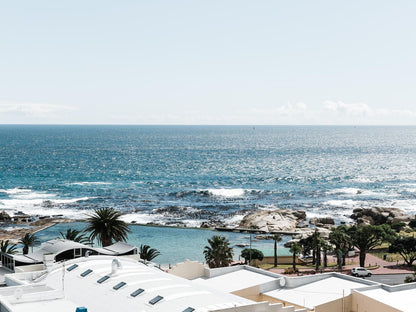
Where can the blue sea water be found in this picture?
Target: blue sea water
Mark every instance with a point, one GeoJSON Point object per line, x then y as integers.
{"type": "Point", "coordinates": [175, 244]}
{"type": "Point", "coordinates": [184, 175]}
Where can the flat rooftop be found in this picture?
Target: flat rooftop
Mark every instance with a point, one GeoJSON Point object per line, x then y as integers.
{"type": "Point", "coordinates": [236, 280]}
{"type": "Point", "coordinates": [403, 300]}
{"type": "Point", "coordinates": [312, 294]}
{"type": "Point", "coordinates": [92, 284]}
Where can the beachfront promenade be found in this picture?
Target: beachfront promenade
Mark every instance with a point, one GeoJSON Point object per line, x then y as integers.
{"type": "Point", "coordinates": [384, 267]}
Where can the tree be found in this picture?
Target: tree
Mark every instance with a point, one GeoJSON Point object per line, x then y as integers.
{"type": "Point", "coordinates": [7, 247]}
{"type": "Point", "coordinates": [306, 245]}
{"type": "Point", "coordinates": [105, 225]}
{"type": "Point", "coordinates": [276, 238]}
{"type": "Point", "coordinates": [29, 240]}
{"type": "Point", "coordinates": [342, 242]}
{"type": "Point", "coordinates": [325, 248]}
{"type": "Point", "coordinates": [366, 237]}
{"type": "Point", "coordinates": [255, 254]}
{"type": "Point", "coordinates": [147, 253]}
{"type": "Point", "coordinates": [406, 247]}
{"type": "Point", "coordinates": [218, 253]}
{"type": "Point", "coordinates": [76, 236]}
{"type": "Point", "coordinates": [295, 250]}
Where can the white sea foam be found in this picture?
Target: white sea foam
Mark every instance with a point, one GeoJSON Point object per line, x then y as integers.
{"type": "Point", "coordinates": [15, 190]}
{"type": "Point", "coordinates": [91, 183]}
{"type": "Point", "coordinates": [267, 207]}
{"type": "Point", "coordinates": [347, 203]}
{"type": "Point", "coordinates": [227, 193]}
{"type": "Point", "coordinates": [39, 203]}
{"type": "Point", "coordinates": [356, 192]}
{"type": "Point", "coordinates": [143, 218]}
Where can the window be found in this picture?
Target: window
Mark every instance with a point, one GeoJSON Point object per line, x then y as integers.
{"type": "Point", "coordinates": [189, 309]}
{"type": "Point", "coordinates": [155, 300]}
{"type": "Point", "coordinates": [83, 274]}
{"type": "Point", "coordinates": [72, 267]}
{"type": "Point", "coordinates": [119, 285]}
{"type": "Point", "coordinates": [137, 292]}
{"type": "Point", "coordinates": [103, 279]}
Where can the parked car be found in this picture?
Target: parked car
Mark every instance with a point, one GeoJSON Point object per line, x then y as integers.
{"type": "Point", "coordinates": [360, 272]}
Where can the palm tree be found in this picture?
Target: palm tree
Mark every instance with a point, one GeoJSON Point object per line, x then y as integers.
{"type": "Point", "coordinates": [105, 224]}
{"type": "Point", "coordinates": [218, 253]}
{"type": "Point", "coordinates": [295, 250]}
{"type": "Point", "coordinates": [7, 247]}
{"type": "Point", "coordinates": [29, 240]}
{"type": "Point", "coordinates": [76, 236]}
{"type": "Point", "coordinates": [276, 238]}
{"type": "Point", "coordinates": [342, 242]}
{"type": "Point", "coordinates": [147, 253]}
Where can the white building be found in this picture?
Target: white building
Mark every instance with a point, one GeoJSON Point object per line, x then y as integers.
{"type": "Point", "coordinates": [123, 283]}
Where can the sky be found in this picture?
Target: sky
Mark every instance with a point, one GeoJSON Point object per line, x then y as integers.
{"type": "Point", "coordinates": [208, 62]}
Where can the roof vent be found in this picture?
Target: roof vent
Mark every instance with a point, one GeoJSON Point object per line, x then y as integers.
{"type": "Point", "coordinates": [85, 273]}
{"type": "Point", "coordinates": [115, 265]}
{"type": "Point", "coordinates": [137, 292]}
{"type": "Point", "coordinates": [119, 285]}
{"type": "Point", "coordinates": [155, 300]}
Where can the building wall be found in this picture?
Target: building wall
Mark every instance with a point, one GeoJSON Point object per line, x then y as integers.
{"type": "Point", "coordinates": [339, 305]}
{"type": "Point", "coordinates": [363, 303]}
{"type": "Point", "coordinates": [188, 269]}
{"type": "Point", "coordinates": [280, 260]}
{"type": "Point", "coordinates": [251, 293]}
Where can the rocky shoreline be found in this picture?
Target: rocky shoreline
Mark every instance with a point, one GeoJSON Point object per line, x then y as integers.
{"type": "Point", "coordinates": [16, 228]}
{"type": "Point", "coordinates": [281, 221]}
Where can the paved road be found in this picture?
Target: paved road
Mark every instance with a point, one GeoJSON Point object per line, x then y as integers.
{"type": "Point", "coordinates": [389, 279]}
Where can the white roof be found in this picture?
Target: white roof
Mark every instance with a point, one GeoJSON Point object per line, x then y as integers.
{"type": "Point", "coordinates": [115, 249]}
{"type": "Point", "coordinates": [316, 293]}
{"type": "Point", "coordinates": [234, 281]}
{"type": "Point", "coordinates": [403, 300]}
{"type": "Point", "coordinates": [57, 246]}
{"type": "Point", "coordinates": [178, 293]}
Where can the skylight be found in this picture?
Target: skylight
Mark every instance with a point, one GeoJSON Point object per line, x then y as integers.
{"type": "Point", "coordinates": [83, 274]}
{"type": "Point", "coordinates": [72, 267]}
{"type": "Point", "coordinates": [137, 292]}
{"type": "Point", "coordinates": [155, 300]}
{"type": "Point", "coordinates": [119, 285]}
{"type": "Point", "coordinates": [189, 309]}
{"type": "Point", "coordinates": [103, 279]}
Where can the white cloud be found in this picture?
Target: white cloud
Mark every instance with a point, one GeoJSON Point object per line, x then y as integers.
{"type": "Point", "coordinates": [354, 109]}
{"type": "Point", "coordinates": [37, 110]}
{"type": "Point", "coordinates": [338, 112]}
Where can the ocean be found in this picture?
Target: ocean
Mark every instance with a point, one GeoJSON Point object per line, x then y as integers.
{"type": "Point", "coordinates": [185, 175]}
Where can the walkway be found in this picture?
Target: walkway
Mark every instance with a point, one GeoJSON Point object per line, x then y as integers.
{"type": "Point", "coordinates": [385, 267]}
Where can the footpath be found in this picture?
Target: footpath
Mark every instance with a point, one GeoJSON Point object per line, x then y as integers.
{"type": "Point", "coordinates": [383, 266]}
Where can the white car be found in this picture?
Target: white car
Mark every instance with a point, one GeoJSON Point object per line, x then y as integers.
{"type": "Point", "coordinates": [360, 272]}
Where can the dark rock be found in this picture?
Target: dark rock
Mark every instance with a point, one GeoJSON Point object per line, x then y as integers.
{"type": "Point", "coordinates": [4, 217]}
{"type": "Point", "coordinates": [379, 215]}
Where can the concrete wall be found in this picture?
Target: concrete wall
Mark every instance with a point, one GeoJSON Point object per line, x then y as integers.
{"type": "Point", "coordinates": [280, 260]}
{"type": "Point", "coordinates": [251, 293]}
{"type": "Point", "coordinates": [29, 268]}
{"type": "Point", "coordinates": [362, 303]}
{"type": "Point", "coordinates": [188, 269]}
{"type": "Point", "coordinates": [261, 307]}
{"type": "Point", "coordinates": [220, 271]}
{"type": "Point", "coordinates": [339, 305]}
